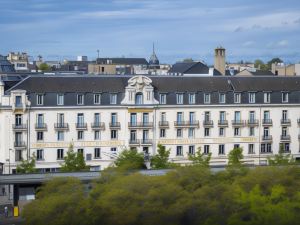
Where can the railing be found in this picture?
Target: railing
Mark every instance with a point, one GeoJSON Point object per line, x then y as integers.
{"type": "Point", "coordinates": [98, 125]}
{"type": "Point", "coordinates": [19, 126]}
{"type": "Point", "coordinates": [81, 125]}
{"type": "Point", "coordinates": [285, 137]}
{"type": "Point", "coordinates": [61, 126]}
{"type": "Point", "coordinates": [164, 123]}
{"type": "Point", "coordinates": [238, 122]}
{"type": "Point", "coordinates": [208, 123]}
{"type": "Point", "coordinates": [134, 141]}
{"type": "Point", "coordinates": [267, 137]}
{"type": "Point", "coordinates": [140, 124]}
{"type": "Point", "coordinates": [19, 144]}
{"type": "Point", "coordinates": [146, 142]}
{"type": "Point", "coordinates": [223, 122]}
{"type": "Point", "coordinates": [40, 126]}
{"type": "Point", "coordinates": [252, 122]}
{"type": "Point", "coordinates": [267, 122]}
{"type": "Point", "coordinates": [186, 123]}
{"type": "Point", "coordinates": [285, 121]}
{"type": "Point", "coordinates": [140, 142]}
{"type": "Point", "coordinates": [115, 125]}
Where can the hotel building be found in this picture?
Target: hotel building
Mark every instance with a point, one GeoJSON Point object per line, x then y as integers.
{"type": "Point", "coordinates": [103, 115]}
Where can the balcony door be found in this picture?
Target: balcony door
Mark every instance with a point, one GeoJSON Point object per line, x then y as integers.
{"type": "Point", "coordinates": [145, 118]}
{"type": "Point", "coordinates": [179, 117]}
{"type": "Point", "coordinates": [192, 117]}
{"type": "Point", "coordinates": [133, 135]}
{"type": "Point", "coordinates": [133, 118]}
{"type": "Point", "coordinates": [145, 134]}
{"type": "Point", "coordinates": [80, 118]}
{"type": "Point", "coordinates": [18, 119]}
{"type": "Point", "coordinates": [60, 118]}
{"type": "Point", "coordinates": [237, 116]}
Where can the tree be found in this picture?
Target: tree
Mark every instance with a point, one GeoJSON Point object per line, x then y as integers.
{"type": "Point", "coordinates": [235, 156]}
{"type": "Point", "coordinates": [73, 162]}
{"type": "Point", "coordinates": [259, 64]}
{"type": "Point", "coordinates": [161, 159]}
{"type": "Point", "coordinates": [281, 158]}
{"type": "Point", "coordinates": [27, 166]}
{"type": "Point", "coordinates": [200, 159]}
{"type": "Point", "coordinates": [274, 60]}
{"type": "Point", "coordinates": [130, 160]}
{"type": "Point", "coordinates": [44, 67]}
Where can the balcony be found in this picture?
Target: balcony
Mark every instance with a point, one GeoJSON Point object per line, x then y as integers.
{"type": "Point", "coordinates": [223, 123]}
{"type": "Point", "coordinates": [252, 122]}
{"type": "Point", "coordinates": [19, 127]}
{"type": "Point", "coordinates": [98, 126]}
{"type": "Point", "coordinates": [163, 124]}
{"type": "Point", "coordinates": [115, 125]}
{"type": "Point", "coordinates": [179, 124]}
{"type": "Point", "coordinates": [146, 142]}
{"type": "Point", "coordinates": [238, 123]}
{"type": "Point", "coordinates": [134, 142]}
{"type": "Point", "coordinates": [19, 144]}
{"type": "Point", "coordinates": [41, 126]}
{"type": "Point", "coordinates": [267, 138]}
{"type": "Point", "coordinates": [267, 122]}
{"type": "Point", "coordinates": [81, 126]}
{"type": "Point", "coordinates": [208, 123]}
{"type": "Point", "coordinates": [140, 125]}
{"type": "Point", "coordinates": [286, 122]}
{"type": "Point", "coordinates": [61, 126]}
{"type": "Point", "coordinates": [285, 138]}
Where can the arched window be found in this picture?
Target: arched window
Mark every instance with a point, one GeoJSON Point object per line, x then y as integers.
{"type": "Point", "coordinates": [139, 98]}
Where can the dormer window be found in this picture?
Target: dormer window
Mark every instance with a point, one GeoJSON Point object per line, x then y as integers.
{"type": "Point", "coordinates": [113, 99]}
{"type": "Point", "coordinates": [139, 98]}
{"type": "Point", "coordinates": [192, 98]}
{"type": "Point", "coordinates": [237, 97]}
{"type": "Point", "coordinates": [162, 99]}
{"type": "Point", "coordinates": [206, 98]}
{"type": "Point", "coordinates": [80, 99]}
{"type": "Point", "coordinates": [60, 99]}
{"type": "Point", "coordinates": [222, 98]}
{"type": "Point", "coordinates": [39, 99]}
{"type": "Point", "coordinates": [252, 97]}
{"type": "Point", "coordinates": [285, 97]}
{"type": "Point", "coordinates": [97, 99]}
{"type": "Point", "coordinates": [179, 98]}
{"type": "Point", "coordinates": [18, 101]}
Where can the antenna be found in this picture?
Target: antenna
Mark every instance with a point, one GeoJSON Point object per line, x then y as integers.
{"type": "Point", "coordinates": [98, 51]}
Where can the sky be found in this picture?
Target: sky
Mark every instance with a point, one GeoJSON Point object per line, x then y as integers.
{"type": "Point", "coordinates": [63, 29]}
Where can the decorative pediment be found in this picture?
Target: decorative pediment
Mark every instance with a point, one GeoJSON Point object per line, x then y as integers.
{"type": "Point", "coordinates": [139, 82]}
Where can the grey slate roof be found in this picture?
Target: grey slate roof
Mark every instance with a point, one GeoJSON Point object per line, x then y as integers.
{"type": "Point", "coordinates": [123, 61]}
{"type": "Point", "coordinates": [189, 68]}
{"type": "Point", "coordinates": [5, 65]}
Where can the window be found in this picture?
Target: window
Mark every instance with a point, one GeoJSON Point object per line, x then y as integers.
{"type": "Point", "coordinates": [113, 151]}
{"type": "Point", "coordinates": [221, 149]}
{"type": "Point", "coordinates": [285, 97]}
{"type": "Point", "coordinates": [18, 119]}
{"type": "Point", "coordinates": [114, 118]}
{"type": "Point", "coordinates": [113, 134]}
{"type": "Point", "coordinates": [191, 132]}
{"type": "Point", "coordinates": [251, 149]}
{"type": "Point", "coordinates": [97, 153]}
{"type": "Point", "coordinates": [162, 99]}
{"type": "Point", "coordinates": [179, 132]}
{"type": "Point", "coordinates": [18, 101]}
{"type": "Point", "coordinates": [192, 98]}
{"type": "Point", "coordinates": [191, 150]}
{"type": "Point", "coordinates": [179, 151]}
{"type": "Point", "coordinates": [237, 116]}
{"type": "Point", "coordinates": [192, 117]}
{"type": "Point", "coordinates": [60, 135]}
{"type": "Point", "coordinates": [222, 98]}
{"type": "Point", "coordinates": [40, 120]}
{"type": "Point", "coordinates": [60, 154]}
{"type": "Point", "coordinates": [139, 98]}
{"type": "Point", "coordinates": [284, 115]}
{"type": "Point", "coordinates": [60, 99]}
{"type": "Point", "coordinates": [251, 131]}
{"type": "Point", "coordinates": [80, 99]}
{"type": "Point", "coordinates": [179, 117]}
{"type": "Point", "coordinates": [267, 97]}
{"type": "Point", "coordinates": [97, 99]}
{"type": "Point", "coordinates": [39, 154]}
{"type": "Point", "coordinates": [40, 99]}
{"type": "Point", "coordinates": [148, 95]}
{"type": "Point", "coordinates": [286, 147]}
{"type": "Point", "coordinates": [80, 135]}
{"type": "Point", "coordinates": [40, 136]}
{"type": "Point", "coordinates": [236, 146]}
{"type": "Point", "coordinates": [80, 119]}
{"type": "Point", "coordinates": [113, 99]}
{"type": "Point", "coordinates": [80, 151]}
{"type": "Point", "coordinates": [237, 97]}
{"type": "Point", "coordinates": [162, 133]}
{"type": "Point", "coordinates": [18, 155]}
{"type": "Point", "coordinates": [252, 116]}
{"type": "Point", "coordinates": [206, 132]}
{"type": "Point", "coordinates": [266, 148]}
{"type": "Point", "coordinates": [179, 98]}
{"type": "Point", "coordinates": [237, 131]}
{"type": "Point", "coordinates": [221, 131]}
{"type": "Point", "coordinates": [284, 131]}
{"type": "Point", "coordinates": [206, 98]}
{"type": "Point", "coordinates": [251, 97]}
{"type": "Point", "coordinates": [97, 135]}
{"type": "Point", "coordinates": [222, 116]}
{"type": "Point", "coordinates": [206, 149]}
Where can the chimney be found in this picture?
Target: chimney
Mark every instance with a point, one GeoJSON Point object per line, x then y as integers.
{"type": "Point", "coordinates": [220, 60]}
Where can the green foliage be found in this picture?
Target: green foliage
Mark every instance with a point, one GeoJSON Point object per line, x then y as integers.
{"type": "Point", "coordinates": [161, 159]}
{"type": "Point", "coordinates": [200, 159]}
{"type": "Point", "coordinates": [44, 67]}
{"type": "Point", "coordinates": [281, 158]}
{"type": "Point", "coordinates": [185, 196]}
{"type": "Point", "coordinates": [73, 162]}
{"type": "Point", "coordinates": [259, 64]}
{"type": "Point", "coordinates": [234, 157]}
{"type": "Point", "coordinates": [27, 166]}
{"type": "Point", "coordinates": [130, 159]}
{"type": "Point", "coordinates": [274, 60]}
{"type": "Point", "coordinates": [60, 201]}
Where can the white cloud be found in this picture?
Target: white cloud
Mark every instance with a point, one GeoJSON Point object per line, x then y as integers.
{"type": "Point", "coordinates": [278, 44]}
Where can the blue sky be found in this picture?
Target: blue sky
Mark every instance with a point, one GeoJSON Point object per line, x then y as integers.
{"type": "Point", "coordinates": [59, 29]}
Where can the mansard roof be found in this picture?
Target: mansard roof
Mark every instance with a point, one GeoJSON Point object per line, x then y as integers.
{"type": "Point", "coordinates": [62, 84]}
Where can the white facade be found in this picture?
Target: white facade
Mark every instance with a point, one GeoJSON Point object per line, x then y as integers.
{"type": "Point", "coordinates": [141, 122]}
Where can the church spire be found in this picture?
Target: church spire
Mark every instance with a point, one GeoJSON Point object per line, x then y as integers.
{"type": "Point", "coordinates": [153, 59]}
